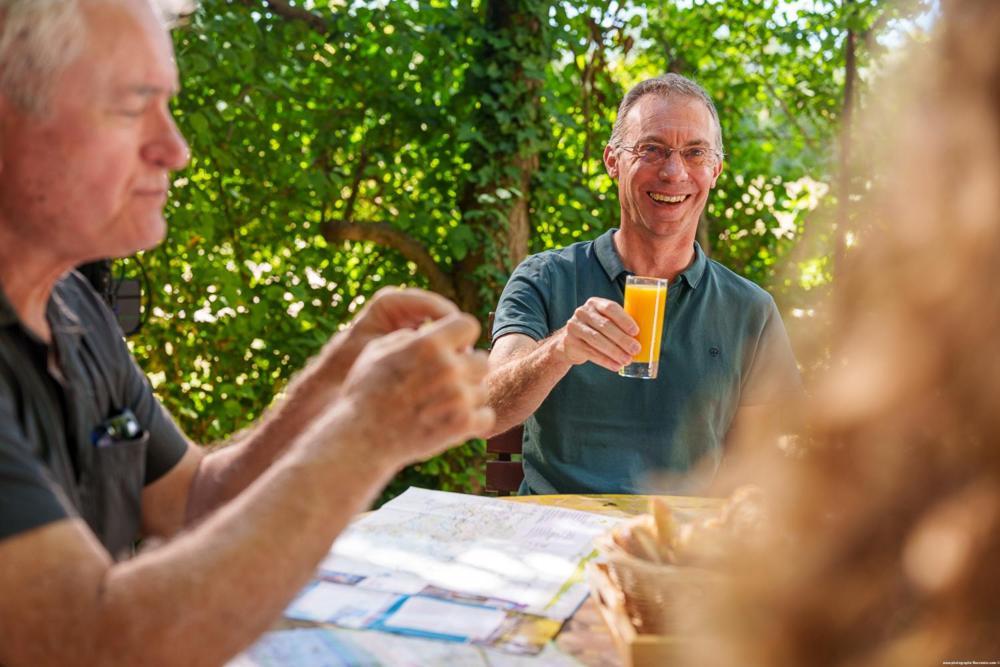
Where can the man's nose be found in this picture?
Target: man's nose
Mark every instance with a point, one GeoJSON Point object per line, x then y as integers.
{"type": "Point", "coordinates": [673, 166]}
{"type": "Point", "coordinates": [167, 147]}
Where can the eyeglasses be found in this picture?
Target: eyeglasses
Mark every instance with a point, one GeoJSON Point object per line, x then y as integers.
{"type": "Point", "coordinates": [693, 156]}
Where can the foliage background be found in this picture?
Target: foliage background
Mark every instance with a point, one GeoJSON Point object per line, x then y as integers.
{"type": "Point", "coordinates": [342, 146]}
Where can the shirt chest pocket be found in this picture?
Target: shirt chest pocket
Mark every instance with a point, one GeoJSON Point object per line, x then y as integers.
{"type": "Point", "coordinates": [111, 484]}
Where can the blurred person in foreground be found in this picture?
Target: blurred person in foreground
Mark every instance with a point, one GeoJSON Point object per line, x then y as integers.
{"type": "Point", "coordinates": [89, 459]}
{"type": "Point", "coordinates": [886, 532]}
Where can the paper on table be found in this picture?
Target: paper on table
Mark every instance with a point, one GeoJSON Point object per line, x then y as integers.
{"type": "Point", "coordinates": [352, 607]}
{"type": "Point", "coordinates": [433, 617]}
{"type": "Point", "coordinates": [438, 617]}
{"type": "Point", "coordinates": [320, 647]}
{"type": "Point", "coordinates": [528, 555]}
{"type": "Point", "coordinates": [367, 575]}
{"type": "Point", "coordinates": [308, 647]}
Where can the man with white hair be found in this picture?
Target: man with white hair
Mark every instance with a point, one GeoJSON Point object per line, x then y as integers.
{"type": "Point", "coordinates": [726, 363]}
{"type": "Point", "coordinates": [89, 459]}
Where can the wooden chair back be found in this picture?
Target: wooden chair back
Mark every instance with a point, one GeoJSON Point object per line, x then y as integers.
{"type": "Point", "coordinates": [504, 470]}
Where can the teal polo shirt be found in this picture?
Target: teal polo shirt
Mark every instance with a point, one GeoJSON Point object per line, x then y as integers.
{"type": "Point", "coordinates": [724, 346]}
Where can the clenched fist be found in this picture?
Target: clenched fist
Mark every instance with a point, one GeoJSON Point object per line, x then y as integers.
{"type": "Point", "coordinates": [599, 331]}
{"type": "Point", "coordinates": [318, 387]}
{"type": "Point", "coordinates": [413, 393]}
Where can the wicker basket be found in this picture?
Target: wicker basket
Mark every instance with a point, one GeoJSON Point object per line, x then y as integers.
{"type": "Point", "coordinates": [656, 594]}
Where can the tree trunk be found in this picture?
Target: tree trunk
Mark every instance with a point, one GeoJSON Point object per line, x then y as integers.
{"type": "Point", "coordinates": [844, 166]}
{"type": "Point", "coordinates": [495, 200]}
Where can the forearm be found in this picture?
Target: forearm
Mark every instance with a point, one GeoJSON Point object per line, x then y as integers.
{"type": "Point", "coordinates": [207, 593]}
{"type": "Point", "coordinates": [231, 576]}
{"type": "Point", "coordinates": [224, 473]}
{"type": "Point", "coordinates": [518, 386]}
{"type": "Point", "coordinates": [523, 372]}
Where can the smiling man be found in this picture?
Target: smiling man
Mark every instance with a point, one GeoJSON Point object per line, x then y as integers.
{"type": "Point", "coordinates": [726, 363]}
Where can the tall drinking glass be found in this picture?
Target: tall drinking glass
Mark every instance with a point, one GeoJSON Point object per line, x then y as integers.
{"type": "Point", "coordinates": [645, 302]}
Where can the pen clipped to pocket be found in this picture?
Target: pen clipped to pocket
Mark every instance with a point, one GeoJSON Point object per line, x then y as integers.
{"type": "Point", "coordinates": [120, 427]}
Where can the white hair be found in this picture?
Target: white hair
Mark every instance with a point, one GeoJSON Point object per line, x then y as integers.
{"type": "Point", "coordinates": [40, 38]}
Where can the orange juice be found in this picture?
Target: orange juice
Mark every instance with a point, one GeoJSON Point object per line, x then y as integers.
{"type": "Point", "coordinates": [646, 304]}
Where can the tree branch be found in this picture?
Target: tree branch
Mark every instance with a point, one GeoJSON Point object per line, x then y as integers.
{"type": "Point", "coordinates": [788, 113]}
{"type": "Point", "coordinates": [359, 173]}
{"type": "Point", "coordinates": [283, 9]}
{"type": "Point", "coordinates": [870, 36]}
{"type": "Point", "coordinates": [385, 234]}
{"type": "Point", "coordinates": [766, 81]}
{"type": "Point", "coordinates": [844, 175]}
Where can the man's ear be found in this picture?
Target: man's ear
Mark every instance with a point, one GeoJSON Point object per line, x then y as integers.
{"type": "Point", "coordinates": [717, 173]}
{"type": "Point", "coordinates": [611, 161]}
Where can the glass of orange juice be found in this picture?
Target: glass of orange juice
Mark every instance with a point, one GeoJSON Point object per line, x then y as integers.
{"type": "Point", "coordinates": [645, 302]}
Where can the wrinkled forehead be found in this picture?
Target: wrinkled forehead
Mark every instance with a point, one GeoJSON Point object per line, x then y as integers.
{"type": "Point", "coordinates": [675, 120]}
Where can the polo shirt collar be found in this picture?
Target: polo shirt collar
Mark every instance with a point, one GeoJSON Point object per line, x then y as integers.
{"type": "Point", "coordinates": [611, 262]}
{"type": "Point", "coordinates": [61, 317]}
{"type": "Point", "coordinates": [607, 255]}
{"type": "Point", "coordinates": [694, 273]}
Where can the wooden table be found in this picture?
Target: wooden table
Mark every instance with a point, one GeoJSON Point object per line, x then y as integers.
{"type": "Point", "coordinates": [585, 636]}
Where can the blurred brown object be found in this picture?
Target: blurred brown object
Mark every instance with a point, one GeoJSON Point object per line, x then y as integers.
{"type": "Point", "coordinates": [653, 593]}
{"type": "Point", "coordinates": [887, 522]}
{"type": "Point", "coordinates": [662, 566]}
{"type": "Point", "coordinates": [634, 649]}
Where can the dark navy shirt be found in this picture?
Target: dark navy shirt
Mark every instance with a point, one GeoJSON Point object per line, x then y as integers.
{"type": "Point", "coordinates": [724, 346]}
{"type": "Point", "coordinates": [52, 398]}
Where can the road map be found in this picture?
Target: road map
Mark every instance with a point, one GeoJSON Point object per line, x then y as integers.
{"type": "Point", "coordinates": [456, 567]}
